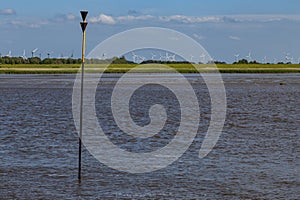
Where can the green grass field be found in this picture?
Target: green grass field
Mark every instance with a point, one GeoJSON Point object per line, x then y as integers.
{"type": "Point", "coordinates": [149, 68]}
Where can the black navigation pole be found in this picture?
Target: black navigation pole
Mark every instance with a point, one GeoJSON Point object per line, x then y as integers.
{"type": "Point", "coordinates": [83, 27]}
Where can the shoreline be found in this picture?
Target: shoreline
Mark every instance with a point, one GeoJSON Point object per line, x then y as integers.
{"type": "Point", "coordinates": [151, 68]}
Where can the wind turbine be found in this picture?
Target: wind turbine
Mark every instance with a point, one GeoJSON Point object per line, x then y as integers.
{"type": "Point", "coordinates": [33, 52]}
{"type": "Point", "coordinates": [134, 57]}
{"type": "Point", "coordinates": [299, 60]}
{"type": "Point", "coordinates": [167, 57]}
{"type": "Point", "coordinates": [265, 59]}
{"type": "Point", "coordinates": [202, 57]}
{"type": "Point", "coordinates": [191, 58]}
{"type": "Point", "coordinates": [49, 53]}
{"type": "Point", "coordinates": [153, 56]}
{"type": "Point", "coordinates": [9, 54]}
{"type": "Point", "coordinates": [72, 54]}
{"type": "Point", "coordinates": [287, 57]}
{"type": "Point", "coordinates": [249, 56]}
{"type": "Point", "coordinates": [141, 59]}
{"type": "Point", "coordinates": [103, 56]}
{"type": "Point", "coordinates": [172, 58]}
{"type": "Point", "coordinates": [161, 57]}
{"type": "Point", "coordinates": [237, 57]}
{"type": "Point", "coordinates": [24, 55]}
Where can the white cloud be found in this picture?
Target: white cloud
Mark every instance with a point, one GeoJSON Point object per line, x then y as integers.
{"type": "Point", "coordinates": [64, 17]}
{"type": "Point", "coordinates": [70, 17]}
{"type": "Point", "coordinates": [234, 37]}
{"type": "Point", "coordinates": [102, 18]}
{"type": "Point", "coordinates": [25, 24]}
{"type": "Point", "coordinates": [190, 19]}
{"type": "Point", "coordinates": [18, 23]}
{"type": "Point", "coordinates": [131, 17]}
{"type": "Point", "coordinates": [108, 19]}
{"type": "Point", "coordinates": [8, 11]}
{"type": "Point", "coordinates": [228, 18]}
{"type": "Point", "coordinates": [260, 18]}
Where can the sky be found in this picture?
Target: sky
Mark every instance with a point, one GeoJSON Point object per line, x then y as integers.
{"type": "Point", "coordinates": [269, 29]}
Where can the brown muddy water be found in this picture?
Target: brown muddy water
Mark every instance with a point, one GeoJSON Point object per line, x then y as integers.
{"type": "Point", "coordinates": [256, 157]}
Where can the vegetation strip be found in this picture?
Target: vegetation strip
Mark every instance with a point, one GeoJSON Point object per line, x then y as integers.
{"type": "Point", "coordinates": [147, 68]}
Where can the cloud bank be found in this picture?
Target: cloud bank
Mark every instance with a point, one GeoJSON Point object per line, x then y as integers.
{"type": "Point", "coordinates": [148, 19]}
{"type": "Point", "coordinates": [102, 18]}
{"type": "Point", "coordinates": [183, 19]}
{"type": "Point", "coordinates": [8, 11]}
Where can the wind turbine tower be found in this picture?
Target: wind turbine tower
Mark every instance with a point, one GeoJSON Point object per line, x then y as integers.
{"type": "Point", "coordinates": [49, 53]}
{"type": "Point", "coordinates": [9, 54]}
{"type": "Point", "coordinates": [249, 56]}
{"type": "Point", "coordinates": [72, 54]}
{"type": "Point", "coordinates": [202, 58]}
{"type": "Point", "coordinates": [191, 58]}
{"type": "Point", "coordinates": [134, 57]}
{"type": "Point", "coordinates": [237, 57]}
{"type": "Point", "coordinates": [153, 56]}
{"type": "Point", "coordinates": [173, 58]}
{"type": "Point", "coordinates": [24, 55]}
{"type": "Point", "coordinates": [33, 52]}
{"type": "Point", "coordinates": [161, 57]}
{"type": "Point", "coordinates": [265, 59]}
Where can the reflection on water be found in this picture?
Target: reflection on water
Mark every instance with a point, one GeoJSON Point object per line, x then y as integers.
{"type": "Point", "coordinates": [257, 155]}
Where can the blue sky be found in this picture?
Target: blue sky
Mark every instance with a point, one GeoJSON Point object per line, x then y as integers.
{"type": "Point", "coordinates": [268, 28]}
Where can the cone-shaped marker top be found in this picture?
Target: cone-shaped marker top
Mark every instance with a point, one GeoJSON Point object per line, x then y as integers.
{"type": "Point", "coordinates": [83, 15]}
{"type": "Point", "coordinates": [83, 25]}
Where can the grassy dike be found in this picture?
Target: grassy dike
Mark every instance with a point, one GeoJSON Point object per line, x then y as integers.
{"type": "Point", "coordinates": [149, 68]}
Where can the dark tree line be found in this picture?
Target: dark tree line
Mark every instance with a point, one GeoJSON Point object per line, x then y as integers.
{"type": "Point", "coordinates": [115, 60]}
{"type": "Point", "coordinates": [37, 60]}
{"type": "Point", "coordinates": [49, 61]}
{"type": "Point", "coordinates": [244, 61]}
